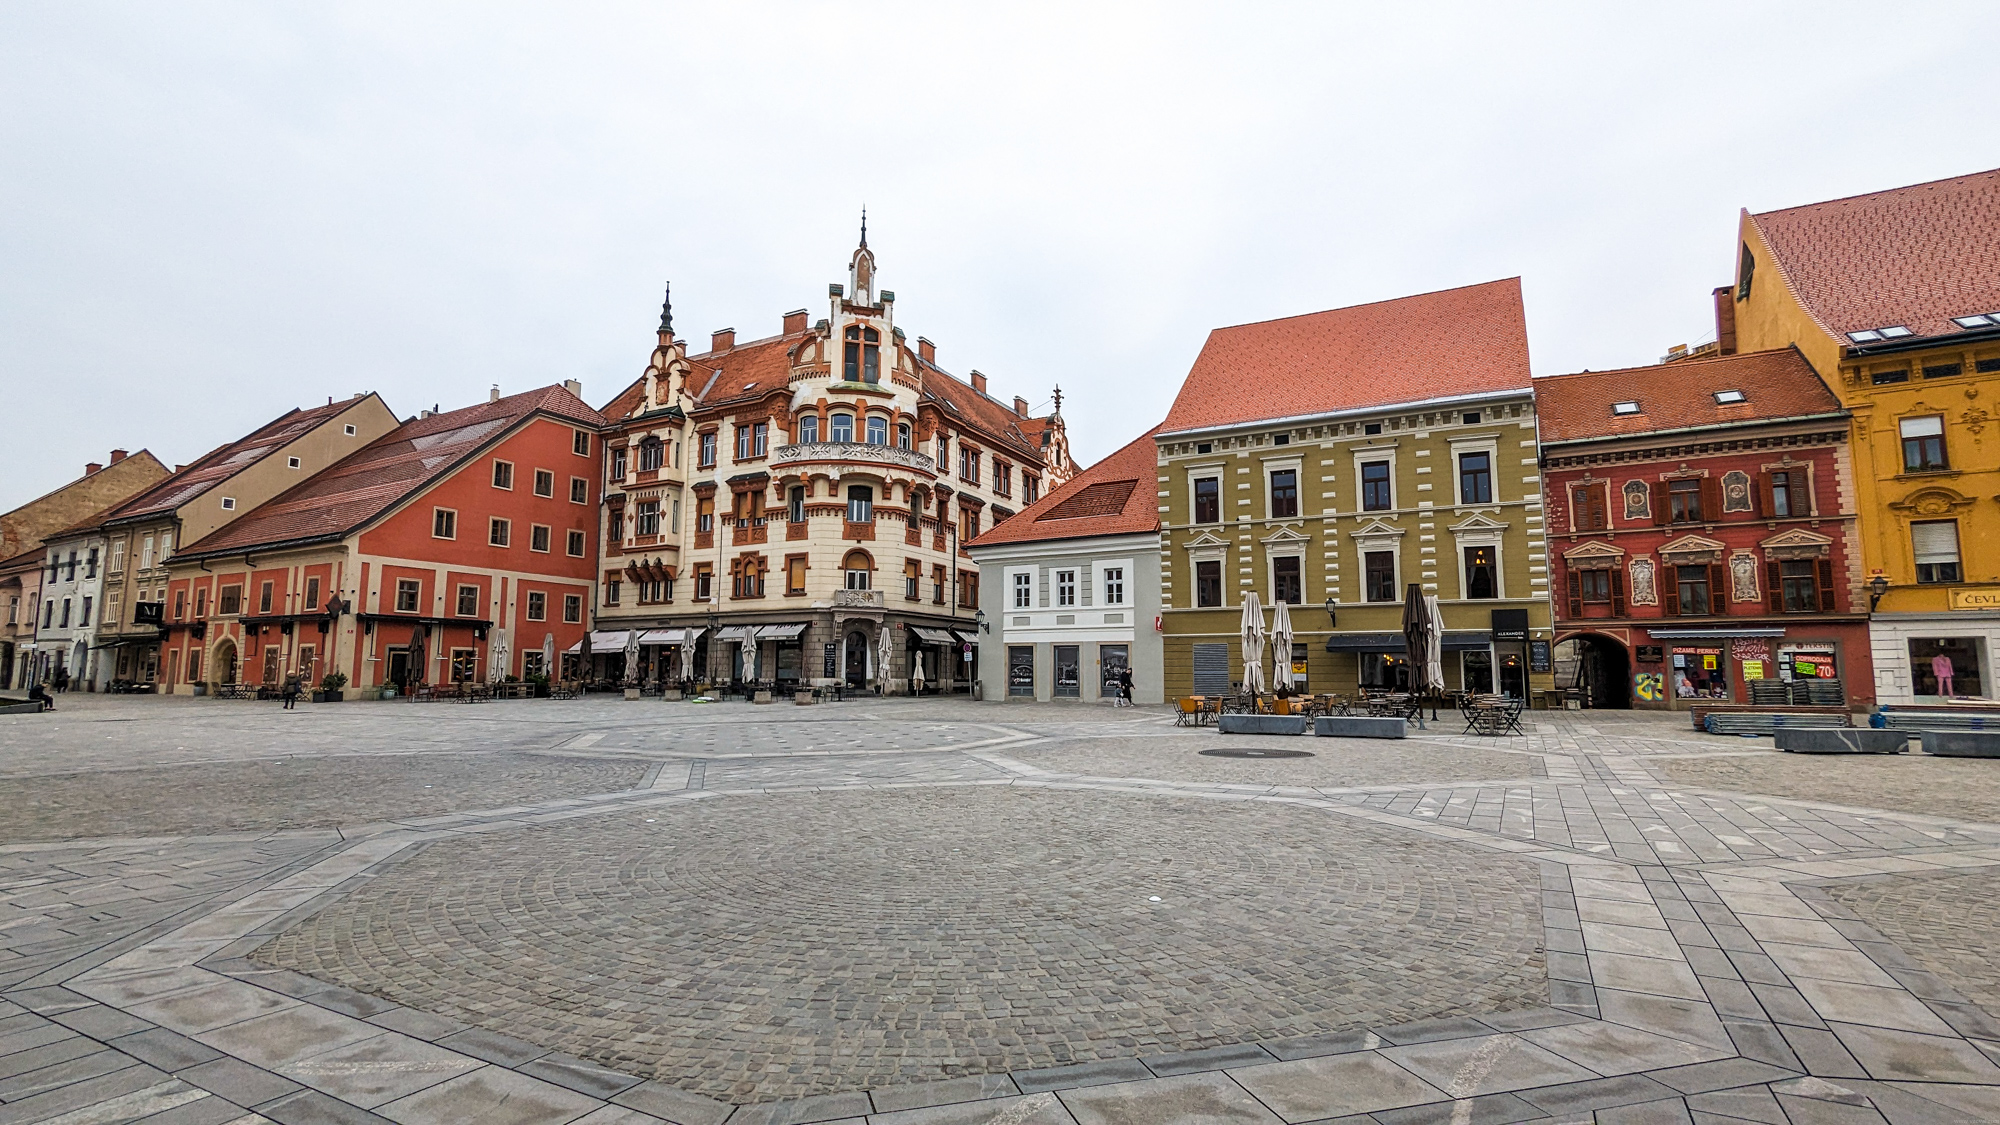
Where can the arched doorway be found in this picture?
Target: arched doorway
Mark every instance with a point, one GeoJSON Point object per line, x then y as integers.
{"type": "Point", "coordinates": [223, 664]}
{"type": "Point", "coordinates": [856, 663]}
{"type": "Point", "coordinates": [1597, 666]}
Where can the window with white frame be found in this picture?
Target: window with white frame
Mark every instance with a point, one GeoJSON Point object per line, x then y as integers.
{"type": "Point", "coordinates": [1024, 591]}
{"type": "Point", "coordinates": [1114, 585]}
{"type": "Point", "coordinates": [1065, 587]}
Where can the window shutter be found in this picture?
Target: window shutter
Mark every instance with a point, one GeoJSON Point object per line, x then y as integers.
{"type": "Point", "coordinates": [1670, 589]}
{"type": "Point", "coordinates": [1617, 592]}
{"type": "Point", "coordinates": [1934, 541]}
{"type": "Point", "coordinates": [1801, 493]}
{"type": "Point", "coordinates": [1718, 593]}
{"type": "Point", "coordinates": [1774, 584]}
{"type": "Point", "coordinates": [1599, 509]}
{"type": "Point", "coordinates": [1659, 490]}
{"type": "Point", "coordinates": [1711, 500]}
{"type": "Point", "coordinates": [1826, 585]}
{"type": "Point", "coordinates": [1575, 595]}
{"type": "Point", "coordinates": [1766, 506]}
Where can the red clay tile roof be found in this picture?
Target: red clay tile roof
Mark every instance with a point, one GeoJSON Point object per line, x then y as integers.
{"type": "Point", "coordinates": [1914, 256]}
{"type": "Point", "coordinates": [1677, 396]}
{"type": "Point", "coordinates": [223, 462]}
{"type": "Point", "coordinates": [748, 370]}
{"type": "Point", "coordinates": [369, 482]}
{"type": "Point", "coordinates": [1082, 507]}
{"type": "Point", "coordinates": [980, 412]}
{"type": "Point", "coordinates": [1433, 345]}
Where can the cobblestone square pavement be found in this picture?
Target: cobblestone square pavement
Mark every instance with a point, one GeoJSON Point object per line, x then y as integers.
{"type": "Point", "coordinates": [907, 912]}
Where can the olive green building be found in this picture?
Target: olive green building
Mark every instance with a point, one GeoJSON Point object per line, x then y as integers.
{"type": "Point", "coordinates": [1330, 460]}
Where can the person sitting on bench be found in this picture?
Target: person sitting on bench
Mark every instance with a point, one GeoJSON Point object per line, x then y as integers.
{"type": "Point", "coordinates": [39, 694]}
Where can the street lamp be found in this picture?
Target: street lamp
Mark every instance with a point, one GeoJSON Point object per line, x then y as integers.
{"type": "Point", "coordinates": [980, 617]}
{"type": "Point", "coordinates": [1329, 612]}
{"type": "Point", "coordinates": [1877, 586]}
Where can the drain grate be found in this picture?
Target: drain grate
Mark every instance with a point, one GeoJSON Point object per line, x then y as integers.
{"type": "Point", "coordinates": [1254, 752]}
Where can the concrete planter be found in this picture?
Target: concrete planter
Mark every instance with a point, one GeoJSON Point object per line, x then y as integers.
{"type": "Point", "coordinates": [761, 697]}
{"type": "Point", "coordinates": [1261, 724]}
{"type": "Point", "coordinates": [1840, 740]}
{"type": "Point", "coordinates": [1359, 726]}
{"type": "Point", "coordinates": [671, 695]}
{"type": "Point", "coordinates": [631, 693]}
{"type": "Point", "coordinates": [803, 698]}
{"type": "Point", "coordinates": [1962, 743]}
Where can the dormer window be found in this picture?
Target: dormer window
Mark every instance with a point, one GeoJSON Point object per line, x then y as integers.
{"type": "Point", "coordinates": [1724, 398]}
{"type": "Point", "coordinates": [1624, 408]}
{"type": "Point", "coordinates": [863, 355]}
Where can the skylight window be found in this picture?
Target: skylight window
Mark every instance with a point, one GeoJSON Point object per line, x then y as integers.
{"type": "Point", "coordinates": [1624, 408]}
{"type": "Point", "coordinates": [1977, 321]}
{"type": "Point", "coordinates": [1865, 336]}
{"type": "Point", "coordinates": [1895, 332]}
{"type": "Point", "coordinates": [1726, 397]}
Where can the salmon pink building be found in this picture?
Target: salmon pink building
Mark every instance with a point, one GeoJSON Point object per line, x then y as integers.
{"type": "Point", "coordinates": [1701, 527]}
{"type": "Point", "coordinates": [459, 546]}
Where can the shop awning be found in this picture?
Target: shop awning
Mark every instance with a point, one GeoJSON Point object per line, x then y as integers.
{"type": "Point", "coordinates": [965, 638]}
{"type": "Point", "coordinates": [733, 633]}
{"type": "Point", "coordinates": [788, 632]}
{"type": "Point", "coordinates": [662, 636]}
{"type": "Point", "coordinates": [601, 641]}
{"type": "Point", "coordinates": [932, 636]}
{"type": "Point", "coordinates": [1464, 641]}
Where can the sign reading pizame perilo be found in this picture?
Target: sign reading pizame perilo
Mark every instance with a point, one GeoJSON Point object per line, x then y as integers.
{"type": "Point", "coordinates": [1985, 598]}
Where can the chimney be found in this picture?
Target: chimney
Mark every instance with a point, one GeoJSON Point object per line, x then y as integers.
{"type": "Point", "coordinates": [795, 321]}
{"type": "Point", "coordinates": [926, 350]}
{"type": "Point", "coordinates": [574, 387]}
{"type": "Point", "coordinates": [178, 468]}
{"type": "Point", "coordinates": [1020, 407]}
{"type": "Point", "coordinates": [979, 382]}
{"type": "Point", "coordinates": [91, 468]}
{"type": "Point", "coordinates": [1725, 320]}
{"type": "Point", "coordinates": [722, 339]}
{"type": "Point", "coordinates": [494, 394]}
{"type": "Point", "coordinates": [117, 455]}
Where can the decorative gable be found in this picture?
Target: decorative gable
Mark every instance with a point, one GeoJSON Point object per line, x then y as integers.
{"type": "Point", "coordinates": [1691, 549]}
{"type": "Point", "coordinates": [1286, 537]}
{"type": "Point", "coordinates": [1591, 556]}
{"type": "Point", "coordinates": [1797, 543]}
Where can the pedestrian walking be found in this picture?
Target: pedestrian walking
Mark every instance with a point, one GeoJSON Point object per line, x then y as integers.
{"type": "Point", "coordinates": [1125, 685]}
{"type": "Point", "coordinates": [291, 692]}
{"type": "Point", "coordinates": [62, 680]}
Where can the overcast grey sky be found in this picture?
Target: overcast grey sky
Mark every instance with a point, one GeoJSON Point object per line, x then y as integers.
{"type": "Point", "coordinates": [210, 213]}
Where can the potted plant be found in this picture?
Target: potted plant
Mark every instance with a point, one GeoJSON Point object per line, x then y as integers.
{"type": "Point", "coordinates": [541, 683]}
{"type": "Point", "coordinates": [330, 686]}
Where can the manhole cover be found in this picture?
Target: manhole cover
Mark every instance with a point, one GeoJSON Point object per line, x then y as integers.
{"type": "Point", "coordinates": [1254, 752]}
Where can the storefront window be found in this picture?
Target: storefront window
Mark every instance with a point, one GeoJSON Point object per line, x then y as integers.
{"type": "Point", "coordinates": [1021, 670]}
{"type": "Point", "coordinates": [1385, 671]}
{"type": "Point", "coordinates": [1068, 667]}
{"type": "Point", "coordinates": [1948, 667]}
{"type": "Point", "coordinates": [1476, 672]}
{"type": "Point", "coordinates": [1699, 673]}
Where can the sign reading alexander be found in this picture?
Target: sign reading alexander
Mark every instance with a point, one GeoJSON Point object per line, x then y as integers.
{"type": "Point", "coordinates": [1987, 597]}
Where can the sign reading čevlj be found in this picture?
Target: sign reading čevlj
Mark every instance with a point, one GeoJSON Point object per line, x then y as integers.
{"type": "Point", "coordinates": [1985, 598]}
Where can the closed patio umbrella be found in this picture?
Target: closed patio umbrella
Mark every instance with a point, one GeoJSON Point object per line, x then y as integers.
{"type": "Point", "coordinates": [418, 662]}
{"type": "Point", "coordinates": [549, 652]}
{"type": "Point", "coordinates": [917, 670]}
{"type": "Point", "coordinates": [1417, 629]}
{"type": "Point", "coordinates": [1281, 647]}
{"type": "Point", "coordinates": [751, 658]}
{"type": "Point", "coordinates": [496, 657]}
{"type": "Point", "coordinates": [1253, 644]}
{"type": "Point", "coordinates": [1434, 653]}
{"type": "Point", "coordinates": [687, 656]}
{"type": "Point", "coordinates": [631, 657]}
{"type": "Point", "coordinates": [884, 649]}
{"type": "Point", "coordinates": [583, 668]}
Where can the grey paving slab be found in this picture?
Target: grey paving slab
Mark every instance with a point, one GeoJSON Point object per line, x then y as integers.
{"type": "Point", "coordinates": [1892, 1055]}
{"type": "Point", "coordinates": [1334, 1086]}
{"type": "Point", "coordinates": [1465, 1068]}
{"type": "Point", "coordinates": [377, 1070]}
{"type": "Point", "coordinates": [919, 1095]}
{"type": "Point", "coordinates": [238, 1081]}
{"type": "Point", "coordinates": [1212, 1058]}
{"type": "Point", "coordinates": [286, 1036]}
{"type": "Point", "coordinates": [578, 1075]}
{"type": "Point", "coordinates": [1030, 1109]}
{"type": "Point", "coordinates": [670, 1103]}
{"type": "Point", "coordinates": [1611, 1049]}
{"type": "Point", "coordinates": [165, 1049]}
{"type": "Point", "coordinates": [490, 1095]}
{"type": "Point", "coordinates": [310, 1107]}
{"type": "Point", "coordinates": [1082, 1074]}
{"type": "Point", "coordinates": [820, 1107]}
{"type": "Point", "coordinates": [1192, 1099]}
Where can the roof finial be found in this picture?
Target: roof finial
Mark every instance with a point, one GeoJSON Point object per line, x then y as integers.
{"type": "Point", "coordinates": [1058, 398]}
{"type": "Point", "coordinates": [667, 313]}
{"type": "Point", "coordinates": [864, 224]}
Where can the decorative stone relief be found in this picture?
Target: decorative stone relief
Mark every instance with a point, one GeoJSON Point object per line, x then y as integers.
{"type": "Point", "coordinates": [1736, 491]}
{"type": "Point", "coordinates": [1643, 591]}
{"type": "Point", "coordinates": [1638, 500]}
{"type": "Point", "coordinates": [1743, 578]}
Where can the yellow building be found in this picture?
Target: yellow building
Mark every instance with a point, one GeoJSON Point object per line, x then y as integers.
{"type": "Point", "coordinates": [1894, 298]}
{"type": "Point", "coordinates": [1331, 460]}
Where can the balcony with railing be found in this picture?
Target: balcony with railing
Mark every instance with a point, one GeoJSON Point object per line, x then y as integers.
{"type": "Point", "coordinates": [852, 451]}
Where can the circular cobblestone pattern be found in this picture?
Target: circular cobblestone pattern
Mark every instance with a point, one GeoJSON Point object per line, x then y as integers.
{"type": "Point", "coordinates": [211, 797]}
{"type": "Point", "coordinates": [757, 948]}
{"type": "Point", "coordinates": [1949, 924]}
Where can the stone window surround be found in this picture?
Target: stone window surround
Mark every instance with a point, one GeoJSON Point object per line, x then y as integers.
{"type": "Point", "coordinates": [1294, 461]}
{"type": "Point", "coordinates": [1218, 471]}
{"type": "Point", "coordinates": [1483, 534]}
{"type": "Point", "coordinates": [1376, 537]}
{"type": "Point", "coordinates": [1368, 455]}
{"type": "Point", "coordinates": [1488, 444]}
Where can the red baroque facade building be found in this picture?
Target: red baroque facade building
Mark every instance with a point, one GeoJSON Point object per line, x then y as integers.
{"type": "Point", "coordinates": [458, 546]}
{"type": "Point", "coordinates": [1701, 526]}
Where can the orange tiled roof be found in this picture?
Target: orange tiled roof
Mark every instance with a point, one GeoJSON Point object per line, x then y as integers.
{"type": "Point", "coordinates": [1084, 505]}
{"type": "Point", "coordinates": [367, 483]}
{"type": "Point", "coordinates": [1433, 345]}
{"type": "Point", "coordinates": [1912, 256]}
{"type": "Point", "coordinates": [748, 370]}
{"type": "Point", "coordinates": [967, 406]}
{"type": "Point", "coordinates": [222, 462]}
{"type": "Point", "coordinates": [1775, 385]}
